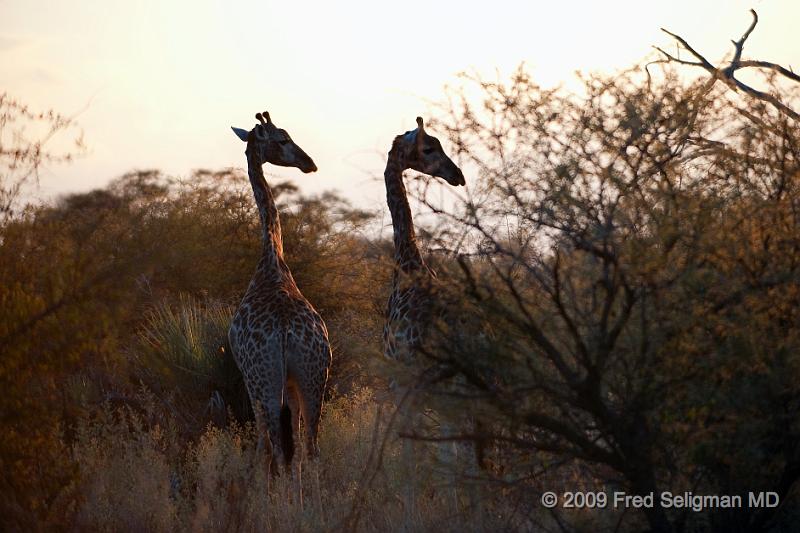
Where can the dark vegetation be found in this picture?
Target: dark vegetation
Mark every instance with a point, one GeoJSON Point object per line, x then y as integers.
{"type": "Point", "coordinates": [131, 287]}
{"type": "Point", "coordinates": [626, 275]}
{"type": "Point", "coordinates": [637, 260]}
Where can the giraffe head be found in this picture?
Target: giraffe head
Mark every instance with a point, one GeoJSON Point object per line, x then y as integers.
{"type": "Point", "coordinates": [424, 153]}
{"type": "Point", "coordinates": [274, 145]}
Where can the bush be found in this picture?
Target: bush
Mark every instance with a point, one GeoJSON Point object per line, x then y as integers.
{"type": "Point", "coordinates": [182, 356]}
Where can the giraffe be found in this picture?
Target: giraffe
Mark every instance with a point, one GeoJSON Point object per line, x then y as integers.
{"type": "Point", "coordinates": [278, 340]}
{"type": "Point", "coordinates": [411, 303]}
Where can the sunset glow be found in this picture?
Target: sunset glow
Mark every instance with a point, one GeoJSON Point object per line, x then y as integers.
{"type": "Point", "coordinates": [158, 84]}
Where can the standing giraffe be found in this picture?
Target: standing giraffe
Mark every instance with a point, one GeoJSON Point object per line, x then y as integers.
{"type": "Point", "coordinates": [278, 340]}
{"type": "Point", "coordinates": [411, 303]}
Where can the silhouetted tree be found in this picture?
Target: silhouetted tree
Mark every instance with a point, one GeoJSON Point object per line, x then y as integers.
{"type": "Point", "coordinates": [635, 253]}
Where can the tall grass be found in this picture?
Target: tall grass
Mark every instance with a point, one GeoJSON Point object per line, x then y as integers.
{"type": "Point", "coordinates": [182, 356]}
{"type": "Point", "coordinates": [138, 468]}
{"type": "Point", "coordinates": [135, 475]}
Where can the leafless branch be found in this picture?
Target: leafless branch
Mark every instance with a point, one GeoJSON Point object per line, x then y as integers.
{"type": "Point", "coordinates": [727, 74]}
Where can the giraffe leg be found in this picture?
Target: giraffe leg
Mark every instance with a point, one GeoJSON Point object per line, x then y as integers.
{"type": "Point", "coordinates": [293, 400]}
{"type": "Point", "coordinates": [270, 441]}
{"type": "Point", "coordinates": [311, 407]}
{"type": "Point", "coordinates": [448, 458]}
{"type": "Point", "coordinates": [264, 447]}
{"type": "Point", "coordinates": [309, 383]}
{"type": "Point", "coordinates": [410, 493]}
{"type": "Point", "coordinates": [407, 425]}
{"type": "Point", "coordinates": [309, 389]}
{"type": "Point", "coordinates": [475, 465]}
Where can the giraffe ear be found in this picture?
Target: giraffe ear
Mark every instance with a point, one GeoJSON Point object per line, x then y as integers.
{"type": "Point", "coordinates": [242, 134]}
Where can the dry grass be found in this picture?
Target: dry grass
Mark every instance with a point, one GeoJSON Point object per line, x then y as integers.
{"type": "Point", "coordinates": [152, 465]}
{"type": "Point", "coordinates": [138, 475]}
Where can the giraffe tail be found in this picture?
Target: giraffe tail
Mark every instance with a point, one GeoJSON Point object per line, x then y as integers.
{"type": "Point", "coordinates": [287, 439]}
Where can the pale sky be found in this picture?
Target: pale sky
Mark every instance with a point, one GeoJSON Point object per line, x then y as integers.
{"type": "Point", "coordinates": [162, 81]}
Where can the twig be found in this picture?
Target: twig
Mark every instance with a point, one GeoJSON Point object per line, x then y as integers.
{"type": "Point", "coordinates": [727, 74]}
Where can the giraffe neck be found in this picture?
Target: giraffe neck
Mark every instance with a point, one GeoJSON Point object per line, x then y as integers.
{"type": "Point", "coordinates": [272, 252]}
{"type": "Point", "coordinates": [407, 256]}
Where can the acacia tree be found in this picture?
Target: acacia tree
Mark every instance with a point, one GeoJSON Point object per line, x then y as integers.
{"type": "Point", "coordinates": [635, 255]}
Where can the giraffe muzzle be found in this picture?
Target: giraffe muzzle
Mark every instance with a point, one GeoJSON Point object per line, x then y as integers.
{"type": "Point", "coordinates": [456, 178]}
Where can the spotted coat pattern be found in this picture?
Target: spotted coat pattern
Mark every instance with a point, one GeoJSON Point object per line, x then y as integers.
{"type": "Point", "coordinates": [278, 340]}
{"type": "Point", "coordinates": [408, 313]}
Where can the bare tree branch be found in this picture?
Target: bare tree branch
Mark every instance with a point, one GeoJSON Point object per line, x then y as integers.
{"type": "Point", "coordinates": [739, 45]}
{"type": "Point", "coordinates": [727, 74]}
